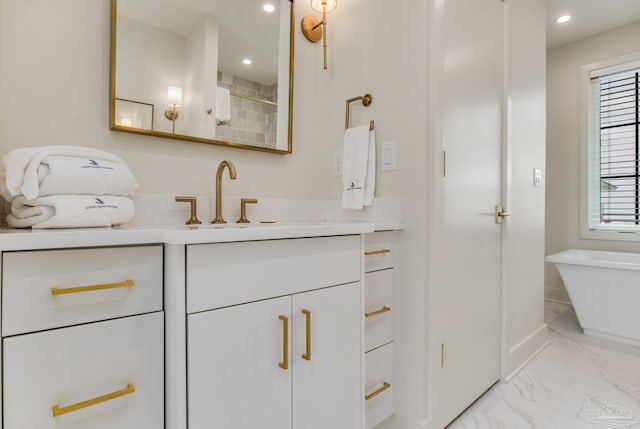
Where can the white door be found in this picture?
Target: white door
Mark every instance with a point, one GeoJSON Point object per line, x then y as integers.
{"type": "Point", "coordinates": [466, 256]}
{"type": "Point", "coordinates": [327, 386]}
{"type": "Point", "coordinates": [235, 377]}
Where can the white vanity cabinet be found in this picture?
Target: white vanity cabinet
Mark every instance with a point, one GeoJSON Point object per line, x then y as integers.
{"type": "Point", "coordinates": [274, 334]}
{"type": "Point", "coordinates": [379, 327]}
{"type": "Point", "coordinates": [83, 338]}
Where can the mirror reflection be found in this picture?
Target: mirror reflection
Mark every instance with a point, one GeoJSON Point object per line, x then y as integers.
{"type": "Point", "coordinates": [213, 71]}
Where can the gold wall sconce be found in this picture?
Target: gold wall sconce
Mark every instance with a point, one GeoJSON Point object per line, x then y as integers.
{"type": "Point", "coordinates": [314, 30]}
{"type": "Point", "coordinates": [174, 97]}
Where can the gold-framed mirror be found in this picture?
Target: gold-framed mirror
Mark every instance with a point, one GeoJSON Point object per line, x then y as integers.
{"type": "Point", "coordinates": [188, 60]}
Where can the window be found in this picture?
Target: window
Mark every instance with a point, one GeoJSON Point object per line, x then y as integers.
{"type": "Point", "coordinates": [614, 148]}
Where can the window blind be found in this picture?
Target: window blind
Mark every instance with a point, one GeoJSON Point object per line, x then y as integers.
{"type": "Point", "coordinates": [615, 179]}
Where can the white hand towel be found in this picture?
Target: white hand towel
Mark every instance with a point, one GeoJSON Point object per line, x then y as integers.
{"type": "Point", "coordinates": [19, 169]}
{"type": "Point", "coordinates": [70, 211]}
{"type": "Point", "coordinates": [223, 106]}
{"type": "Point", "coordinates": [370, 183]}
{"type": "Point", "coordinates": [358, 152]}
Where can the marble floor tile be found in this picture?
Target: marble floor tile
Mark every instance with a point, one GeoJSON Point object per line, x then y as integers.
{"type": "Point", "coordinates": [576, 382]}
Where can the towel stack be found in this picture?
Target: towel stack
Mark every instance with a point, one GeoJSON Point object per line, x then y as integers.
{"type": "Point", "coordinates": [66, 187]}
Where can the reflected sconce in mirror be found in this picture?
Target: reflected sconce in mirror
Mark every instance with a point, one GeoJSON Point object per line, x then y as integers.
{"type": "Point", "coordinates": [174, 97]}
{"type": "Point", "coordinates": [314, 30]}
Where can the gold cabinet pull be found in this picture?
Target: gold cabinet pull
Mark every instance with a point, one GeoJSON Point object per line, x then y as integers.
{"type": "Point", "coordinates": [375, 313]}
{"type": "Point", "coordinates": [285, 341]}
{"type": "Point", "coordinates": [58, 411]}
{"type": "Point", "coordinates": [307, 355]}
{"type": "Point", "coordinates": [376, 252]}
{"type": "Point", "coordinates": [372, 395]}
{"type": "Point", "coordinates": [78, 289]}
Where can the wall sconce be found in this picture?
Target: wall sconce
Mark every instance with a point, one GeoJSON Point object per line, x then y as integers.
{"type": "Point", "coordinates": [174, 97]}
{"type": "Point", "coordinates": [314, 30]}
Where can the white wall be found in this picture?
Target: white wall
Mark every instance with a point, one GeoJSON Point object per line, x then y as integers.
{"type": "Point", "coordinates": [523, 251]}
{"type": "Point", "coordinates": [147, 81]}
{"type": "Point", "coordinates": [563, 145]}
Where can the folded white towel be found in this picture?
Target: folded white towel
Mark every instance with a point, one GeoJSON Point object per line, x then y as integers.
{"type": "Point", "coordinates": [48, 170]}
{"type": "Point", "coordinates": [223, 106]}
{"type": "Point", "coordinates": [358, 168]}
{"type": "Point", "coordinates": [70, 211]}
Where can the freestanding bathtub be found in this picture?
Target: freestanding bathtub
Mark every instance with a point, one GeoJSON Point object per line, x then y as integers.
{"type": "Point", "coordinates": [605, 291]}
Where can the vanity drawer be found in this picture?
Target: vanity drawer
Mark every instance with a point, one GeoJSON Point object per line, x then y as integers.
{"type": "Point", "coordinates": [378, 308]}
{"type": "Point", "coordinates": [379, 385]}
{"type": "Point", "coordinates": [378, 250]}
{"type": "Point", "coordinates": [224, 274]}
{"type": "Point", "coordinates": [131, 278]}
{"type": "Point", "coordinates": [72, 365]}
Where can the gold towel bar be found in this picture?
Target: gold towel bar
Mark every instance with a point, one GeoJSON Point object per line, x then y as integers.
{"type": "Point", "coordinates": [248, 97]}
{"type": "Point", "coordinates": [78, 289]}
{"type": "Point", "coordinates": [367, 99]}
{"type": "Point", "coordinates": [58, 411]}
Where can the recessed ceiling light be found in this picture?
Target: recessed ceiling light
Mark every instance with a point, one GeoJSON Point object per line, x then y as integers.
{"type": "Point", "coordinates": [246, 61]}
{"type": "Point", "coordinates": [563, 18]}
{"type": "Point", "coordinates": [268, 7]}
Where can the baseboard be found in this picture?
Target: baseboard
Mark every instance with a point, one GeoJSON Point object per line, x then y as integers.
{"type": "Point", "coordinates": [523, 352]}
{"type": "Point", "coordinates": [557, 301]}
{"type": "Point", "coordinates": [398, 421]}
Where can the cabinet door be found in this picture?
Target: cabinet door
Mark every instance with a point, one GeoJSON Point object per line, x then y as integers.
{"type": "Point", "coordinates": [69, 367]}
{"type": "Point", "coordinates": [327, 387]}
{"type": "Point", "coordinates": [235, 380]}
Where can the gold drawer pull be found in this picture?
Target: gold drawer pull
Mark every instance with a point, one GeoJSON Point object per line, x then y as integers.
{"type": "Point", "coordinates": [307, 354]}
{"type": "Point", "coordinates": [375, 313]}
{"type": "Point", "coordinates": [57, 411]}
{"type": "Point", "coordinates": [285, 341]}
{"type": "Point", "coordinates": [377, 252]}
{"type": "Point", "coordinates": [58, 291]}
{"type": "Point", "coordinates": [372, 395]}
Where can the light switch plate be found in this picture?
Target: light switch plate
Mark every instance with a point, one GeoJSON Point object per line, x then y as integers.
{"type": "Point", "coordinates": [388, 156]}
{"type": "Point", "coordinates": [537, 177]}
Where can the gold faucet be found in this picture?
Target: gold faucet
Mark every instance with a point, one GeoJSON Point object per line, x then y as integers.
{"type": "Point", "coordinates": [232, 175]}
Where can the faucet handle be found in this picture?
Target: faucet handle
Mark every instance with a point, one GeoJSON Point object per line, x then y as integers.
{"type": "Point", "coordinates": [243, 209]}
{"type": "Point", "coordinates": [193, 220]}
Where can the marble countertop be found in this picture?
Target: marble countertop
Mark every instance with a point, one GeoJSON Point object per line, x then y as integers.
{"type": "Point", "coordinates": [25, 239]}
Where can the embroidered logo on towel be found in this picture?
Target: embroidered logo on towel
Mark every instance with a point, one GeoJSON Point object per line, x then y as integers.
{"type": "Point", "coordinates": [95, 164]}
{"type": "Point", "coordinates": [353, 187]}
{"type": "Point", "coordinates": [100, 204]}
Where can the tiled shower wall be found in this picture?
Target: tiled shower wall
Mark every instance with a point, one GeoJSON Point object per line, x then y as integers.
{"type": "Point", "coordinates": [252, 122]}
